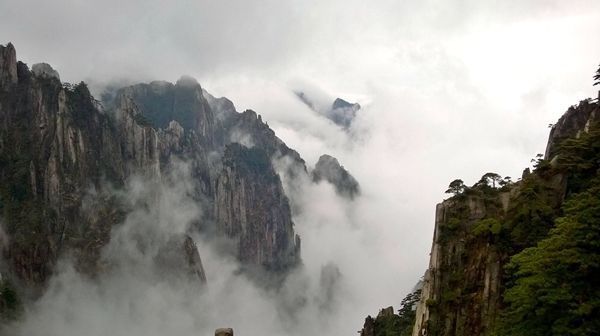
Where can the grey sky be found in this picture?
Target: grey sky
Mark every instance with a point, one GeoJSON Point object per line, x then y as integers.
{"type": "Point", "coordinates": [449, 89]}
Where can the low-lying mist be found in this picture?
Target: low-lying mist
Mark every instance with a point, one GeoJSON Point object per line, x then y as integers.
{"type": "Point", "coordinates": [343, 275]}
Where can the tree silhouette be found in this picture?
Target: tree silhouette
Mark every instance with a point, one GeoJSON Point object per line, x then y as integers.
{"type": "Point", "coordinates": [456, 187]}
{"type": "Point", "coordinates": [490, 178]}
{"type": "Point", "coordinates": [597, 76]}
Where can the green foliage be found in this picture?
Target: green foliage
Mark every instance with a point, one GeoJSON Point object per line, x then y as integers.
{"type": "Point", "coordinates": [554, 288]}
{"type": "Point", "coordinates": [531, 213]}
{"type": "Point", "coordinates": [456, 187]}
{"type": "Point", "coordinates": [448, 230]}
{"type": "Point", "coordinates": [579, 158]}
{"type": "Point", "coordinates": [81, 104]}
{"type": "Point", "coordinates": [407, 312]}
{"type": "Point", "coordinates": [486, 226]}
{"type": "Point", "coordinates": [505, 183]}
{"type": "Point", "coordinates": [388, 325]}
{"type": "Point", "coordinates": [490, 180]}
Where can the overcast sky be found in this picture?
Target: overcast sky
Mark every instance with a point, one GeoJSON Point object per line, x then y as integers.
{"type": "Point", "coordinates": [449, 89]}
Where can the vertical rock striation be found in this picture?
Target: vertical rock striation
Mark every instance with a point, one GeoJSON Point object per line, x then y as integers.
{"type": "Point", "coordinates": [8, 65]}
{"type": "Point", "coordinates": [63, 154]}
{"type": "Point", "coordinates": [252, 209]}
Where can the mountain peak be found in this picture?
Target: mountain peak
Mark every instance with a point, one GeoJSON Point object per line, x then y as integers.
{"type": "Point", "coordinates": [340, 103]}
{"type": "Point", "coordinates": [341, 112]}
{"type": "Point", "coordinates": [328, 168]}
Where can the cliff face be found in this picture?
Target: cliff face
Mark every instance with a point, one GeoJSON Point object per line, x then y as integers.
{"type": "Point", "coordinates": [577, 119]}
{"type": "Point", "coordinates": [248, 202]}
{"type": "Point", "coordinates": [480, 230]}
{"type": "Point", "coordinates": [55, 146]}
{"type": "Point", "coordinates": [461, 288]}
{"type": "Point", "coordinates": [63, 155]}
{"type": "Point", "coordinates": [161, 102]}
{"type": "Point", "coordinates": [251, 208]}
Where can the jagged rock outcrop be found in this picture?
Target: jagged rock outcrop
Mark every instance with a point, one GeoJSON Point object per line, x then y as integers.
{"type": "Point", "coordinates": [329, 169]}
{"type": "Point", "coordinates": [368, 327]}
{"type": "Point", "coordinates": [577, 119]}
{"type": "Point", "coordinates": [8, 64]}
{"type": "Point", "coordinates": [252, 209]}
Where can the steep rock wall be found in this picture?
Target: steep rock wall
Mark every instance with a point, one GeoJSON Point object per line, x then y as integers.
{"type": "Point", "coordinates": [61, 157]}
{"type": "Point", "coordinates": [252, 209]}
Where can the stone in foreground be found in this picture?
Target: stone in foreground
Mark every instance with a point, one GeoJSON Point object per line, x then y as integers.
{"type": "Point", "coordinates": [224, 332]}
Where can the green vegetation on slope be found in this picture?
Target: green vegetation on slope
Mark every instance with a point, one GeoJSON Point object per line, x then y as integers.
{"type": "Point", "coordinates": [542, 232]}
{"type": "Point", "coordinates": [553, 287]}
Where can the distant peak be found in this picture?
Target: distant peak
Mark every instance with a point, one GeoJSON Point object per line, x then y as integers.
{"type": "Point", "coordinates": [341, 112]}
{"type": "Point", "coordinates": [328, 168]}
{"type": "Point", "coordinates": [340, 103]}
